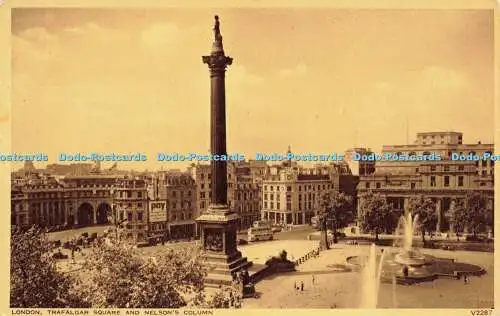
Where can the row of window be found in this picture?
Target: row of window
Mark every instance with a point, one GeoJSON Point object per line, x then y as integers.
{"type": "Point", "coordinates": [140, 217]}
{"type": "Point", "coordinates": [304, 187]}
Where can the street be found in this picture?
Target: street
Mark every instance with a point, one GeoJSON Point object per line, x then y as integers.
{"type": "Point", "coordinates": [297, 233]}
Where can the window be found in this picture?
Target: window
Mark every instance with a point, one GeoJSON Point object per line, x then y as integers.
{"type": "Point", "coordinates": [265, 204]}
{"type": "Point", "coordinates": [367, 185]}
{"type": "Point", "coordinates": [272, 197]}
{"type": "Point", "coordinates": [483, 173]}
{"type": "Point", "coordinates": [202, 186]}
{"type": "Point", "coordinates": [139, 195]}
{"type": "Point", "coordinates": [482, 184]}
{"type": "Point", "coordinates": [412, 185]}
{"type": "Point", "coordinates": [378, 185]}
{"type": "Point", "coordinates": [139, 216]}
{"type": "Point", "coordinates": [271, 204]}
{"type": "Point", "coordinates": [446, 181]}
{"type": "Point", "coordinates": [288, 206]}
{"type": "Point", "coordinates": [265, 196]}
{"type": "Point", "coordinates": [278, 205]}
{"type": "Point", "coordinates": [446, 168]}
{"type": "Point", "coordinates": [433, 181]}
{"type": "Point", "coordinates": [272, 188]}
{"type": "Point", "coordinates": [139, 205]}
{"type": "Point", "coordinates": [485, 163]}
{"type": "Point", "coordinates": [433, 168]}
{"type": "Point", "coordinates": [416, 170]}
{"type": "Point", "coordinates": [129, 194]}
{"type": "Point", "coordinates": [129, 216]}
{"type": "Point", "coordinates": [460, 168]}
{"type": "Point", "coordinates": [289, 188]}
{"type": "Point", "coordinates": [460, 181]}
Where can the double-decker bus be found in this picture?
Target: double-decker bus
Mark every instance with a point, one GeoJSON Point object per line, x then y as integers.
{"type": "Point", "coordinates": [260, 233]}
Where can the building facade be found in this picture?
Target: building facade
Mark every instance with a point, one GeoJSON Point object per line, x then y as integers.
{"type": "Point", "coordinates": [244, 182]}
{"type": "Point", "coordinates": [291, 193]}
{"type": "Point", "coordinates": [132, 204]}
{"type": "Point", "coordinates": [178, 190]}
{"type": "Point", "coordinates": [444, 181]}
{"type": "Point", "coordinates": [68, 203]}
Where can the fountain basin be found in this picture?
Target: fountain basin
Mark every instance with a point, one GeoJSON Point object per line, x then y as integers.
{"type": "Point", "coordinates": [411, 258]}
{"type": "Point", "coordinates": [421, 267]}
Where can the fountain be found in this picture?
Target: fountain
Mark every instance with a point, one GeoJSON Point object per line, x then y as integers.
{"type": "Point", "coordinates": [371, 279]}
{"type": "Point", "coordinates": [404, 264]}
{"type": "Point", "coordinates": [408, 256]}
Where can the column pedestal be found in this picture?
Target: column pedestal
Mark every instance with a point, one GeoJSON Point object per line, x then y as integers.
{"type": "Point", "coordinates": [218, 229]}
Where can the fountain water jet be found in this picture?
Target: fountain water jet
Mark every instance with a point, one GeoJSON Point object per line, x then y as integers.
{"type": "Point", "coordinates": [405, 265]}
{"type": "Point", "coordinates": [371, 273]}
{"type": "Point", "coordinates": [408, 256]}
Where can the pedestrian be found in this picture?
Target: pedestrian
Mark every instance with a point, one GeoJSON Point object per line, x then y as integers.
{"type": "Point", "coordinates": [302, 285]}
{"type": "Point", "coordinates": [466, 279]}
{"type": "Point", "coordinates": [295, 285]}
{"type": "Point", "coordinates": [313, 279]}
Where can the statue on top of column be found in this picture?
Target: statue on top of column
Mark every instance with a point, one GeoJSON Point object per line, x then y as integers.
{"type": "Point", "coordinates": [217, 34]}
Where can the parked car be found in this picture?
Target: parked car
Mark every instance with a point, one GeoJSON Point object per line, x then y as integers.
{"type": "Point", "coordinates": [276, 229]}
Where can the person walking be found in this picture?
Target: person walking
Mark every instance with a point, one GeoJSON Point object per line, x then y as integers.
{"type": "Point", "coordinates": [313, 280]}
{"type": "Point", "coordinates": [466, 279]}
{"type": "Point", "coordinates": [302, 285]}
{"type": "Point", "coordinates": [295, 285]}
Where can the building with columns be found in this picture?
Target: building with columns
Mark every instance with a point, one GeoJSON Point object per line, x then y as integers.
{"type": "Point", "coordinates": [71, 202]}
{"type": "Point", "coordinates": [444, 181]}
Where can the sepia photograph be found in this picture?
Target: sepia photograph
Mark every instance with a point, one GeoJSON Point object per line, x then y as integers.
{"type": "Point", "coordinates": [202, 158]}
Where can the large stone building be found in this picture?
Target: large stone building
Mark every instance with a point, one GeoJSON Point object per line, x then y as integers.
{"type": "Point", "coordinates": [71, 202]}
{"type": "Point", "coordinates": [131, 204]}
{"type": "Point", "coordinates": [291, 193]}
{"type": "Point", "coordinates": [178, 190]}
{"type": "Point", "coordinates": [443, 180]}
{"type": "Point", "coordinates": [244, 180]}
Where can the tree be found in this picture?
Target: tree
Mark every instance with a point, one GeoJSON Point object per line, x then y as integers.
{"type": "Point", "coordinates": [335, 208]}
{"type": "Point", "coordinates": [474, 213]}
{"type": "Point", "coordinates": [376, 213]}
{"type": "Point", "coordinates": [35, 281]}
{"type": "Point", "coordinates": [425, 209]}
{"type": "Point", "coordinates": [459, 217]}
{"type": "Point", "coordinates": [117, 275]}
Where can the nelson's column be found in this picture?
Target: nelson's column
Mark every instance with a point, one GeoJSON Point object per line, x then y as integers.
{"type": "Point", "coordinates": [218, 226]}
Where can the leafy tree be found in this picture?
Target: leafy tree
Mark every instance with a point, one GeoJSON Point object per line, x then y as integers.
{"type": "Point", "coordinates": [35, 281]}
{"type": "Point", "coordinates": [376, 213]}
{"type": "Point", "coordinates": [476, 214]}
{"type": "Point", "coordinates": [425, 209]}
{"type": "Point", "coordinates": [117, 275]}
{"type": "Point", "coordinates": [335, 208]}
{"type": "Point", "coordinates": [459, 217]}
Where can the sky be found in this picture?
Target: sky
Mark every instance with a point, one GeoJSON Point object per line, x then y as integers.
{"type": "Point", "coordinates": [321, 81]}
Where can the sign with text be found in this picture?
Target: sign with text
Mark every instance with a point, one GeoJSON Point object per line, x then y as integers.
{"type": "Point", "coordinates": [157, 211]}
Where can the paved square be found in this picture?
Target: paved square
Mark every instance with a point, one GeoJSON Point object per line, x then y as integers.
{"type": "Point", "coordinates": [336, 289]}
